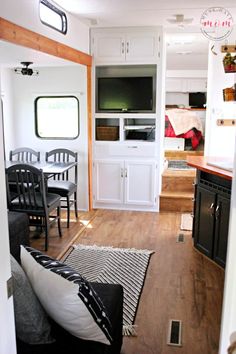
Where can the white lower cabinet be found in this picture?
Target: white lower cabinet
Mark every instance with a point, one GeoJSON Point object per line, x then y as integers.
{"type": "Point", "coordinates": [125, 183]}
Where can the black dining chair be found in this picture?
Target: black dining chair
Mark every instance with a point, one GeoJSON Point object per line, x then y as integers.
{"type": "Point", "coordinates": [65, 184]}
{"type": "Point", "coordinates": [24, 154]}
{"type": "Point", "coordinates": [32, 198]}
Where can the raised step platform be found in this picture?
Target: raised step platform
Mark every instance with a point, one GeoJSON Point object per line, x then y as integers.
{"type": "Point", "coordinates": [178, 180]}
{"type": "Point", "coordinates": [177, 189]}
{"type": "Point", "coordinates": [176, 201]}
{"type": "Point", "coordinates": [181, 155]}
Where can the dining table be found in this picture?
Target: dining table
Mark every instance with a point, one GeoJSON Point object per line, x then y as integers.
{"type": "Point", "coordinates": [49, 168]}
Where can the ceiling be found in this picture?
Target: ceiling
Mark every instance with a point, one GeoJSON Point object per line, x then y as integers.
{"type": "Point", "coordinates": [111, 13]}
{"type": "Point", "coordinates": [187, 48]}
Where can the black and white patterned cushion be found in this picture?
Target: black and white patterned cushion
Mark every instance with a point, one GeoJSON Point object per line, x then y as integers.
{"type": "Point", "coordinates": [67, 297]}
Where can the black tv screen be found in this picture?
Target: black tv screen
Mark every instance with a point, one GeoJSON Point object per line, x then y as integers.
{"type": "Point", "coordinates": [125, 94]}
{"type": "Point", "coordinates": [197, 99]}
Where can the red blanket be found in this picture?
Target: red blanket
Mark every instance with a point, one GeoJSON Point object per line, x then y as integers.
{"type": "Point", "coordinates": [193, 134]}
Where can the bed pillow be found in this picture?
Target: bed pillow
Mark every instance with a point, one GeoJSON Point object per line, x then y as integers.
{"type": "Point", "coordinates": [67, 297]}
{"type": "Point", "coordinates": [31, 320]}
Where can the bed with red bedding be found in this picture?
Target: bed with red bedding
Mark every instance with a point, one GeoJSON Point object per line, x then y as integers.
{"type": "Point", "coordinates": [182, 123]}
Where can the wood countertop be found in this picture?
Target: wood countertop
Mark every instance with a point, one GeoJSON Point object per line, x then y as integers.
{"type": "Point", "coordinates": [201, 163]}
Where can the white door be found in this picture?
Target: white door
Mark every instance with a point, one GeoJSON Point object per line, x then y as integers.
{"type": "Point", "coordinates": [141, 47]}
{"type": "Point", "coordinates": [140, 182]}
{"type": "Point", "coordinates": [108, 47]}
{"type": "Point", "coordinates": [109, 181]}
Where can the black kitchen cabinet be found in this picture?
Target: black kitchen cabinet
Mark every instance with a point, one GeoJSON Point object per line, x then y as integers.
{"type": "Point", "coordinates": [211, 216]}
{"type": "Point", "coordinates": [221, 229]}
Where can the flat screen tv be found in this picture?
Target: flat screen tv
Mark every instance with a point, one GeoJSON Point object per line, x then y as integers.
{"type": "Point", "coordinates": [125, 94]}
{"type": "Point", "coordinates": [197, 99]}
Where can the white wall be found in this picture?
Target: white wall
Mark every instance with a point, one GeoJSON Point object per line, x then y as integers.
{"type": "Point", "coordinates": [219, 140]}
{"type": "Point", "coordinates": [7, 95]}
{"type": "Point", "coordinates": [7, 327]}
{"type": "Point", "coordinates": [25, 13]}
{"type": "Point", "coordinates": [70, 80]}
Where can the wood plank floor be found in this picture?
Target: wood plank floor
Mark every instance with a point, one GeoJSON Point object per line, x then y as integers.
{"type": "Point", "coordinates": [180, 283]}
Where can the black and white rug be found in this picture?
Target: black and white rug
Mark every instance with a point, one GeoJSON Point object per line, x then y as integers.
{"type": "Point", "coordinates": [123, 266]}
{"type": "Point", "coordinates": [179, 165]}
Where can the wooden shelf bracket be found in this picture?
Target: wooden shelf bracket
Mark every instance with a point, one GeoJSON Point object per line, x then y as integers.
{"type": "Point", "coordinates": [226, 122]}
{"type": "Point", "coordinates": [228, 48]}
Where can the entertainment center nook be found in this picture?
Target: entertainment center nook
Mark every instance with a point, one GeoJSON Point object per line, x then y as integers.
{"type": "Point", "coordinates": [127, 124]}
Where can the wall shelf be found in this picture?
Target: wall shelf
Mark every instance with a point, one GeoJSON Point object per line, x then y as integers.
{"type": "Point", "coordinates": [138, 127]}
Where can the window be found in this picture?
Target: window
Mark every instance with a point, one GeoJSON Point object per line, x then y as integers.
{"type": "Point", "coordinates": [57, 117]}
{"type": "Point", "coordinates": [51, 16]}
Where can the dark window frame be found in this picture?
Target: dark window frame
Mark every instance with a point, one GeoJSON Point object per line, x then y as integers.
{"type": "Point", "coordinates": [59, 12]}
{"type": "Point", "coordinates": [36, 117]}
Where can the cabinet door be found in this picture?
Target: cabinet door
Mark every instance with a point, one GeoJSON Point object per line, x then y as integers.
{"type": "Point", "coordinates": [196, 85]}
{"type": "Point", "coordinates": [140, 182]}
{"type": "Point", "coordinates": [204, 221]}
{"type": "Point", "coordinates": [108, 186]}
{"type": "Point", "coordinates": [174, 85]}
{"type": "Point", "coordinates": [141, 47]}
{"type": "Point", "coordinates": [185, 85]}
{"type": "Point", "coordinates": [109, 47]}
{"type": "Point", "coordinates": [221, 229]}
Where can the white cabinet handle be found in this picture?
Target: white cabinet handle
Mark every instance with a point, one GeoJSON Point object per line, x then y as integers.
{"type": "Point", "coordinates": [132, 147]}
{"type": "Point", "coordinates": [122, 173]}
{"type": "Point", "coordinates": [126, 172]}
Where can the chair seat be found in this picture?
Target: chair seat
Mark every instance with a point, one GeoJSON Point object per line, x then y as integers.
{"type": "Point", "coordinates": [51, 198]}
{"type": "Point", "coordinates": [63, 188]}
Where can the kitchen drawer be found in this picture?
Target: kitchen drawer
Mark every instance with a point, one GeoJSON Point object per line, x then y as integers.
{"type": "Point", "coordinates": [131, 149]}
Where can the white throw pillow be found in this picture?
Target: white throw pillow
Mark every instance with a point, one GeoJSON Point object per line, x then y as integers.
{"type": "Point", "coordinates": [66, 296]}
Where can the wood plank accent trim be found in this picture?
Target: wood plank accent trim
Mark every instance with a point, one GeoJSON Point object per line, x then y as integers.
{"type": "Point", "coordinates": [226, 122]}
{"type": "Point", "coordinates": [13, 33]}
{"type": "Point", "coordinates": [89, 113]}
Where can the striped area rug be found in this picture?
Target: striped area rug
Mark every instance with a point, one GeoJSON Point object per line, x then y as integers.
{"type": "Point", "coordinates": [123, 266]}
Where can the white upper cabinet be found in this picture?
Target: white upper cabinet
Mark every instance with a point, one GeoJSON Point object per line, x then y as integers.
{"type": "Point", "coordinates": [186, 84]}
{"type": "Point", "coordinates": [196, 85]}
{"type": "Point", "coordinates": [124, 46]}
